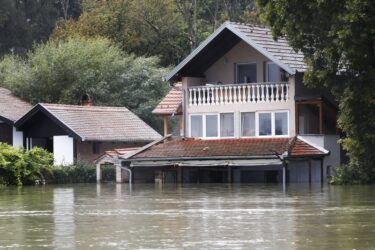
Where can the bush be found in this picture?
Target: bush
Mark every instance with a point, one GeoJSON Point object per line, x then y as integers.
{"type": "Point", "coordinates": [351, 174]}
{"type": "Point", "coordinates": [79, 173]}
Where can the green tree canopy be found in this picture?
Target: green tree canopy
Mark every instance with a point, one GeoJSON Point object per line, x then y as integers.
{"type": "Point", "coordinates": [61, 72]}
{"type": "Point", "coordinates": [338, 41]}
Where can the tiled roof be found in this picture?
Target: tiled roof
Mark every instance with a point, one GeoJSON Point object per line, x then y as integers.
{"type": "Point", "coordinates": [200, 148]}
{"type": "Point", "coordinates": [171, 103]}
{"type": "Point", "coordinates": [280, 49]}
{"type": "Point", "coordinates": [12, 107]}
{"type": "Point", "coordinates": [96, 123]}
{"type": "Point", "coordinates": [302, 148]}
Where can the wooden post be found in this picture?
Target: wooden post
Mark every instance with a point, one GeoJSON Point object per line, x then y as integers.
{"type": "Point", "coordinates": [284, 176]}
{"type": "Point", "coordinates": [321, 117]}
{"type": "Point", "coordinates": [297, 118]}
{"type": "Point", "coordinates": [309, 171]}
{"type": "Point", "coordinates": [229, 174]}
{"type": "Point", "coordinates": [179, 174]}
{"type": "Point", "coordinates": [321, 171]}
{"type": "Point", "coordinates": [165, 118]}
{"type": "Point", "coordinates": [181, 121]}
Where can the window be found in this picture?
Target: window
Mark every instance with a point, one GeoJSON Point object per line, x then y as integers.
{"type": "Point", "coordinates": [95, 148]}
{"type": "Point", "coordinates": [227, 125]}
{"type": "Point", "coordinates": [265, 124]}
{"type": "Point", "coordinates": [281, 123]}
{"type": "Point", "coordinates": [196, 126]}
{"type": "Point", "coordinates": [246, 73]}
{"type": "Point", "coordinates": [272, 72]}
{"type": "Point", "coordinates": [248, 124]}
{"type": "Point", "coordinates": [273, 124]}
{"type": "Point", "coordinates": [211, 126]}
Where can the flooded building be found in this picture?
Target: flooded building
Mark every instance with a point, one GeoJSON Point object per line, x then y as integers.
{"type": "Point", "coordinates": [246, 116]}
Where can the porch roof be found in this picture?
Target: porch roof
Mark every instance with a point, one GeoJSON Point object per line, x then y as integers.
{"type": "Point", "coordinates": [11, 107]}
{"type": "Point", "coordinates": [244, 148]}
{"type": "Point", "coordinates": [171, 103]}
{"type": "Point", "coordinates": [92, 123]}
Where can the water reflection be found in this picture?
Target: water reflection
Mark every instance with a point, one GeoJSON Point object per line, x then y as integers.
{"type": "Point", "coordinates": [63, 217]}
{"type": "Point", "coordinates": [187, 217]}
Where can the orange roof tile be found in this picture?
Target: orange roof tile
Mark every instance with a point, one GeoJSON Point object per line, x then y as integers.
{"type": "Point", "coordinates": [171, 103]}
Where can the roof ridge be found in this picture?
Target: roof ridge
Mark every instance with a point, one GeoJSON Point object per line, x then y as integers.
{"type": "Point", "coordinates": [61, 105]}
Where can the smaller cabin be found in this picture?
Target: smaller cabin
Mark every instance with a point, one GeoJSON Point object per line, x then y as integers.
{"type": "Point", "coordinates": [82, 133]}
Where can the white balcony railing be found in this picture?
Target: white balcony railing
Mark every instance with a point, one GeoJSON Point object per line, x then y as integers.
{"type": "Point", "coordinates": [239, 93]}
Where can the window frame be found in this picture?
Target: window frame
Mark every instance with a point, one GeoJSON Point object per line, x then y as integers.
{"type": "Point", "coordinates": [234, 125]}
{"type": "Point", "coordinates": [273, 123]}
{"type": "Point", "coordinates": [204, 136]}
{"type": "Point", "coordinates": [255, 125]}
{"type": "Point", "coordinates": [266, 71]}
{"type": "Point", "coordinates": [245, 63]}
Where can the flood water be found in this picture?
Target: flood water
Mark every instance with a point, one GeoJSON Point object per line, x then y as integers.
{"type": "Point", "coordinates": [258, 216]}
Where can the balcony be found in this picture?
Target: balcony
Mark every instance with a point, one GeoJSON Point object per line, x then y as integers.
{"type": "Point", "coordinates": [268, 92]}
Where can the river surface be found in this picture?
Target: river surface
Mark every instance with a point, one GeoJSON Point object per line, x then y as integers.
{"type": "Point", "coordinates": [258, 216]}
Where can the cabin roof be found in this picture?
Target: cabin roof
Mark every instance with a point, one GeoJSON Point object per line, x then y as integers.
{"type": "Point", "coordinates": [93, 123]}
{"type": "Point", "coordinates": [171, 103]}
{"type": "Point", "coordinates": [191, 148]}
{"type": "Point", "coordinates": [226, 37]}
{"type": "Point", "coordinates": [11, 107]}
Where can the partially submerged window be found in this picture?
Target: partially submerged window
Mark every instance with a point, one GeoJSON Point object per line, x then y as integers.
{"type": "Point", "coordinates": [272, 72]}
{"type": "Point", "coordinates": [246, 73]}
{"type": "Point", "coordinates": [196, 126]}
{"type": "Point", "coordinates": [248, 124]}
{"type": "Point", "coordinates": [227, 124]}
{"type": "Point", "coordinates": [211, 126]}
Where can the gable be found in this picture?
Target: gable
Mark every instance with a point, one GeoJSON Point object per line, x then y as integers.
{"type": "Point", "coordinates": [226, 37]}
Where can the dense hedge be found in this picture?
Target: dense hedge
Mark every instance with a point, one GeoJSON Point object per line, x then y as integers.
{"type": "Point", "coordinates": [21, 167]}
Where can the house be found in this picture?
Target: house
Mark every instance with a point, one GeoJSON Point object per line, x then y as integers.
{"type": "Point", "coordinates": [82, 132]}
{"type": "Point", "coordinates": [246, 116]}
{"type": "Point", "coordinates": [11, 109]}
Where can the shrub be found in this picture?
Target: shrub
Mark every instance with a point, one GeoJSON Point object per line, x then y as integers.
{"type": "Point", "coordinates": [79, 173]}
{"type": "Point", "coordinates": [351, 174]}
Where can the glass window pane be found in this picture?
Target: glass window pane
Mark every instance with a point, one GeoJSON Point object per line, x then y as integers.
{"type": "Point", "coordinates": [265, 124]}
{"type": "Point", "coordinates": [246, 73]}
{"type": "Point", "coordinates": [196, 126]}
{"type": "Point", "coordinates": [211, 126]}
{"type": "Point", "coordinates": [281, 123]}
{"type": "Point", "coordinates": [273, 72]}
{"type": "Point", "coordinates": [227, 125]}
{"type": "Point", "coordinates": [248, 124]}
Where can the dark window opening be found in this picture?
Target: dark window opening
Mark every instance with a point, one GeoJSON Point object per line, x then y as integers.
{"type": "Point", "coordinates": [95, 148]}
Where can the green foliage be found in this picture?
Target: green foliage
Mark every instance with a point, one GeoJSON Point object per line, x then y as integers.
{"type": "Point", "coordinates": [168, 29]}
{"type": "Point", "coordinates": [23, 23]}
{"type": "Point", "coordinates": [79, 173]}
{"type": "Point", "coordinates": [338, 41]}
{"type": "Point", "coordinates": [352, 174]}
{"type": "Point", "coordinates": [62, 71]}
{"type": "Point", "coordinates": [19, 167]}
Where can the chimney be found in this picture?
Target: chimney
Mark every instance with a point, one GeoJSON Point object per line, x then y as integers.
{"type": "Point", "coordinates": [86, 100]}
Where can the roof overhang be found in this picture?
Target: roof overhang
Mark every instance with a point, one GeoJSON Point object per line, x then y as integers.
{"type": "Point", "coordinates": [39, 108]}
{"type": "Point", "coordinates": [207, 162]}
{"type": "Point", "coordinates": [212, 40]}
{"type": "Point", "coordinates": [6, 121]}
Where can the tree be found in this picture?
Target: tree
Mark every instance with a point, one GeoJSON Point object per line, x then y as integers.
{"type": "Point", "coordinates": [142, 27]}
{"type": "Point", "coordinates": [61, 72]}
{"type": "Point", "coordinates": [338, 41]}
{"type": "Point", "coordinates": [24, 22]}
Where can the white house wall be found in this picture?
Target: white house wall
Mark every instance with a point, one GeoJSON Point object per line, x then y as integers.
{"type": "Point", "coordinates": [17, 138]}
{"type": "Point", "coordinates": [63, 150]}
{"type": "Point", "coordinates": [223, 70]}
